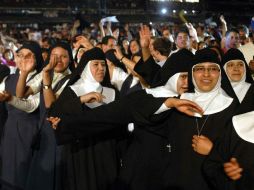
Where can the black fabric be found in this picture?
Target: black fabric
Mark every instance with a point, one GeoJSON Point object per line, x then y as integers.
{"type": "Point", "coordinates": [19, 131]}
{"type": "Point", "coordinates": [231, 145]}
{"type": "Point", "coordinates": [147, 69]}
{"type": "Point", "coordinates": [4, 72]}
{"type": "Point", "coordinates": [181, 61]}
{"type": "Point", "coordinates": [36, 49]}
{"type": "Point", "coordinates": [110, 55]}
{"type": "Point", "coordinates": [235, 54]}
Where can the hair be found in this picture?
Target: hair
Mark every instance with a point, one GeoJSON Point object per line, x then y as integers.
{"type": "Point", "coordinates": [231, 30]}
{"type": "Point", "coordinates": [244, 29]}
{"type": "Point", "coordinates": [105, 39]}
{"type": "Point", "coordinates": [162, 45]}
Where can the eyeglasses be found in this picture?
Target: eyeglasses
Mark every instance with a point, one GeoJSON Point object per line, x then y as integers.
{"type": "Point", "coordinates": [213, 69]}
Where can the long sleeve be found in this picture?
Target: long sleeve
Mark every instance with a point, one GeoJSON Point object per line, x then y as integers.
{"type": "Point", "coordinates": [147, 69]}
{"type": "Point", "coordinates": [136, 108]}
{"type": "Point", "coordinates": [28, 105]}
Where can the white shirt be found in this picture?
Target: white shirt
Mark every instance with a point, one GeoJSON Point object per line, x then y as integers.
{"type": "Point", "coordinates": [248, 51]}
{"type": "Point", "coordinates": [119, 76]}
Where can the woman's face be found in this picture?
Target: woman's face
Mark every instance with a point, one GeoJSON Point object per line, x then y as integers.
{"type": "Point", "coordinates": [235, 70]}
{"type": "Point", "coordinates": [62, 57]}
{"type": "Point", "coordinates": [206, 76]}
{"type": "Point", "coordinates": [25, 55]}
{"type": "Point", "coordinates": [98, 69]}
{"type": "Point", "coordinates": [134, 47]}
{"type": "Point", "coordinates": [182, 83]}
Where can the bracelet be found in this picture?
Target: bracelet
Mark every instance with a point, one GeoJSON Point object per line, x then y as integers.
{"type": "Point", "coordinates": [46, 87]}
{"type": "Point", "coordinates": [121, 60]}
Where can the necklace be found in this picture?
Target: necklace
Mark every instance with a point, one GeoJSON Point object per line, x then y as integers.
{"type": "Point", "coordinates": [199, 130]}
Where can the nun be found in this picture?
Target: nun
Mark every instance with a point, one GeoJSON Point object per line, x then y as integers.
{"type": "Point", "coordinates": [237, 72]}
{"type": "Point", "coordinates": [93, 162]}
{"type": "Point", "coordinates": [142, 165]}
{"type": "Point", "coordinates": [230, 165]}
{"type": "Point", "coordinates": [191, 138]}
{"type": "Point", "coordinates": [22, 122]}
{"type": "Point", "coordinates": [44, 172]}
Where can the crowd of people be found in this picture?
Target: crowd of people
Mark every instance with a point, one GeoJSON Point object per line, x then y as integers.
{"type": "Point", "coordinates": [127, 108]}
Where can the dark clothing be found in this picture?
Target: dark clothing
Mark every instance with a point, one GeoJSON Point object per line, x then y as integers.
{"type": "Point", "coordinates": [19, 131]}
{"type": "Point", "coordinates": [136, 172]}
{"type": "Point", "coordinates": [231, 145]}
{"type": "Point", "coordinates": [91, 162]}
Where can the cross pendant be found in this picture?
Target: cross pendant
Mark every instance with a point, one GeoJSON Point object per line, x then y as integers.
{"type": "Point", "coordinates": [169, 147]}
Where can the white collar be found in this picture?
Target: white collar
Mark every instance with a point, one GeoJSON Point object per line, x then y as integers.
{"type": "Point", "coordinates": [244, 126]}
{"type": "Point", "coordinates": [168, 90]}
{"type": "Point", "coordinates": [211, 102]}
{"type": "Point", "coordinates": [86, 83]}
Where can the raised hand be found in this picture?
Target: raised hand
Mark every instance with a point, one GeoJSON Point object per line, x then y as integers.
{"type": "Point", "coordinates": [233, 169]}
{"type": "Point", "coordinates": [192, 31]}
{"type": "Point", "coordinates": [118, 53]}
{"type": "Point", "coordinates": [201, 144]}
{"type": "Point", "coordinates": [145, 36]}
{"type": "Point", "coordinates": [222, 19]}
{"type": "Point", "coordinates": [82, 40]}
{"type": "Point", "coordinates": [26, 63]}
{"type": "Point", "coordinates": [92, 97]}
{"type": "Point", "coordinates": [52, 63]}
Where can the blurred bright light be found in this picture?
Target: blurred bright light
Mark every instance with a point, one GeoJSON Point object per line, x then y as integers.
{"type": "Point", "coordinates": [150, 23]}
{"type": "Point", "coordinates": [163, 11]}
{"type": "Point", "coordinates": [193, 11]}
{"type": "Point", "coordinates": [174, 11]}
{"type": "Point", "coordinates": [185, 12]}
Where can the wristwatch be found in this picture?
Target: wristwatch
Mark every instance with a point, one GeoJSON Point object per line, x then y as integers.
{"type": "Point", "coordinates": [46, 87]}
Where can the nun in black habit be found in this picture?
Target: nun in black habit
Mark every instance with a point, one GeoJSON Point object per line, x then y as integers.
{"type": "Point", "coordinates": [21, 125]}
{"type": "Point", "coordinates": [93, 162]}
{"type": "Point", "coordinates": [191, 138]}
{"type": "Point", "coordinates": [146, 158]}
{"type": "Point", "coordinates": [237, 72]}
{"type": "Point", "coordinates": [230, 164]}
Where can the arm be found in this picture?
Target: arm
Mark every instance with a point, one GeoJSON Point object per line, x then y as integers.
{"type": "Point", "coordinates": [28, 105]}
{"type": "Point", "coordinates": [145, 37]}
{"type": "Point", "coordinates": [223, 25]}
{"type": "Point", "coordinates": [48, 94]}
{"type": "Point", "coordinates": [25, 66]}
{"type": "Point", "coordinates": [102, 29]}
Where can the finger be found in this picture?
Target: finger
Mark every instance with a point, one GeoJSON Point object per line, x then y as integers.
{"type": "Point", "coordinates": [236, 177]}
{"type": "Point", "coordinates": [234, 172]}
{"type": "Point", "coordinates": [194, 141]}
{"type": "Point", "coordinates": [231, 169]}
{"type": "Point", "coordinates": [234, 161]}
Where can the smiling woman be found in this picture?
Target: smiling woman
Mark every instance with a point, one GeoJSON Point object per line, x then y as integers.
{"type": "Point", "coordinates": [206, 76]}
